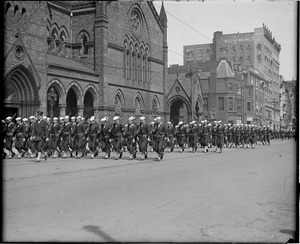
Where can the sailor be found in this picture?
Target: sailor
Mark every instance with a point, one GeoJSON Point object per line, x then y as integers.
{"type": "Point", "coordinates": [143, 135]}
{"type": "Point", "coordinates": [159, 135]}
{"type": "Point", "coordinates": [117, 131]}
{"type": "Point", "coordinates": [131, 135]}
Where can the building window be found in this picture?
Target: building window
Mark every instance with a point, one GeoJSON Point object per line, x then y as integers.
{"type": "Point", "coordinates": [230, 86]}
{"type": "Point", "coordinates": [230, 103]}
{"type": "Point", "coordinates": [205, 103]}
{"type": "Point", "coordinates": [221, 103]}
{"type": "Point", "coordinates": [249, 106]}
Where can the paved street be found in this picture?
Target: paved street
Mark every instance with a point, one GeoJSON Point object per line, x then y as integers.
{"type": "Point", "coordinates": [239, 195]}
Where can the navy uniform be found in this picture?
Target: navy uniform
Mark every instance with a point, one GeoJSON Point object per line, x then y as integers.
{"type": "Point", "coordinates": [131, 136]}
{"type": "Point", "coordinates": [105, 134]}
{"type": "Point", "coordinates": [143, 133]}
{"type": "Point", "coordinates": [220, 136]}
{"type": "Point", "coordinates": [159, 135]}
{"type": "Point", "coordinates": [117, 131]}
{"type": "Point", "coordinates": [181, 133]}
{"type": "Point", "coordinates": [171, 136]}
{"type": "Point", "coordinates": [205, 135]}
{"type": "Point", "coordinates": [92, 137]}
{"type": "Point", "coordinates": [9, 133]}
{"type": "Point", "coordinates": [230, 135]}
{"type": "Point", "coordinates": [19, 133]}
{"type": "Point", "coordinates": [79, 134]}
{"type": "Point", "coordinates": [66, 136]}
{"type": "Point", "coordinates": [40, 135]}
{"type": "Point", "coordinates": [237, 134]}
{"type": "Point", "coordinates": [193, 136]}
{"type": "Point", "coordinates": [55, 137]}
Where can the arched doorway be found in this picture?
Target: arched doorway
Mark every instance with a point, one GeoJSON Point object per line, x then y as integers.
{"type": "Point", "coordinates": [52, 102]}
{"type": "Point", "coordinates": [178, 111]}
{"type": "Point", "coordinates": [71, 101]}
{"type": "Point", "coordinates": [20, 93]}
{"type": "Point", "coordinates": [88, 104]}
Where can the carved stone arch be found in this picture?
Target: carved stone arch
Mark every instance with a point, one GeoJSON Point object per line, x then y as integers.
{"type": "Point", "coordinates": [21, 90]}
{"type": "Point", "coordinates": [54, 32]}
{"type": "Point", "coordinates": [155, 105]}
{"type": "Point", "coordinates": [93, 91]}
{"type": "Point", "coordinates": [78, 91]}
{"type": "Point", "coordinates": [81, 34]}
{"type": "Point", "coordinates": [8, 6]}
{"type": "Point", "coordinates": [64, 30]}
{"type": "Point", "coordinates": [61, 91]}
{"type": "Point", "coordinates": [118, 95]}
{"type": "Point", "coordinates": [138, 96]}
{"type": "Point", "coordinates": [16, 9]}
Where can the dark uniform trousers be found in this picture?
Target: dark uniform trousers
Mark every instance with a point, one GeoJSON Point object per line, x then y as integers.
{"type": "Point", "coordinates": [40, 133]}
{"type": "Point", "coordinates": [20, 133]}
{"type": "Point", "coordinates": [131, 138]}
{"type": "Point", "coordinates": [9, 136]}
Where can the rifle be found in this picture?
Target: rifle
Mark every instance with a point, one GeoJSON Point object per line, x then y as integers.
{"type": "Point", "coordinates": [13, 116]}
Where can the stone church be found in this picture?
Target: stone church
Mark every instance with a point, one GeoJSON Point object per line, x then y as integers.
{"type": "Point", "coordinates": [85, 57]}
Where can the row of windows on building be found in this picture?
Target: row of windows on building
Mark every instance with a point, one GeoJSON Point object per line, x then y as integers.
{"type": "Point", "coordinates": [136, 64]}
{"type": "Point", "coordinates": [235, 48]}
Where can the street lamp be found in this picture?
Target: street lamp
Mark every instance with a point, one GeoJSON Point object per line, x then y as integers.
{"type": "Point", "coordinates": [52, 99]}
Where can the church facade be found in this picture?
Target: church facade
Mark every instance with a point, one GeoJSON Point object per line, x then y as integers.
{"type": "Point", "coordinates": [84, 58]}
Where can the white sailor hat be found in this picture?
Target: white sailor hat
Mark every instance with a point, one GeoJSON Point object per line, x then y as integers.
{"type": "Point", "coordinates": [18, 118]}
{"type": "Point", "coordinates": [104, 119]}
{"type": "Point", "coordinates": [92, 118]}
{"type": "Point", "coordinates": [61, 118]}
{"type": "Point", "coordinates": [55, 118]}
{"type": "Point", "coordinates": [78, 117]}
{"type": "Point", "coordinates": [219, 122]}
{"type": "Point", "coordinates": [131, 118]}
{"type": "Point", "coordinates": [116, 118]}
{"type": "Point", "coordinates": [32, 117]}
{"type": "Point", "coordinates": [155, 119]}
{"type": "Point", "coordinates": [66, 117]}
{"type": "Point", "coordinates": [25, 120]}
{"type": "Point", "coordinates": [142, 118]}
{"type": "Point", "coordinates": [73, 118]}
{"type": "Point", "coordinates": [229, 123]}
{"type": "Point", "coordinates": [205, 120]}
{"type": "Point", "coordinates": [8, 118]}
{"type": "Point", "coordinates": [209, 124]}
{"type": "Point", "coordinates": [158, 118]}
{"type": "Point", "coordinates": [180, 123]}
{"type": "Point", "coordinates": [202, 121]}
{"type": "Point", "coordinates": [44, 117]}
{"type": "Point", "coordinates": [152, 123]}
{"type": "Point", "coordinates": [169, 122]}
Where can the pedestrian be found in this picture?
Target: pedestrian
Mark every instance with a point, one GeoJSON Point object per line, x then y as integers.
{"type": "Point", "coordinates": [159, 135]}
{"type": "Point", "coordinates": [19, 133]}
{"type": "Point", "coordinates": [131, 136]}
{"type": "Point", "coordinates": [171, 136]}
{"type": "Point", "coordinates": [181, 134]}
{"type": "Point", "coordinates": [40, 135]}
{"type": "Point", "coordinates": [66, 136]}
{"type": "Point", "coordinates": [92, 137]}
{"type": "Point", "coordinates": [79, 134]}
{"type": "Point", "coordinates": [9, 133]}
{"type": "Point", "coordinates": [105, 131]}
{"type": "Point", "coordinates": [143, 136]}
{"type": "Point", "coordinates": [117, 132]}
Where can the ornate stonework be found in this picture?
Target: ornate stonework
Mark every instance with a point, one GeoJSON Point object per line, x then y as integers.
{"type": "Point", "coordinates": [136, 23]}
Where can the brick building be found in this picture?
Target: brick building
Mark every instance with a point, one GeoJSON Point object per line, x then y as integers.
{"type": "Point", "coordinates": [257, 50]}
{"type": "Point", "coordinates": [214, 89]}
{"type": "Point", "coordinates": [84, 57]}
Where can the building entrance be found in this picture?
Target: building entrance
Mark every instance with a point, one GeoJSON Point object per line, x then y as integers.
{"type": "Point", "coordinates": [178, 112]}
{"type": "Point", "coordinates": [71, 109]}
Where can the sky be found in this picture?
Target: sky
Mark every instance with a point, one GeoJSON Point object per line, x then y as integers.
{"type": "Point", "coordinates": [194, 22]}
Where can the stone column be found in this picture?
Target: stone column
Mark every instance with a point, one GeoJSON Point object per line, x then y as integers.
{"type": "Point", "coordinates": [62, 109]}
{"type": "Point", "coordinates": [80, 109]}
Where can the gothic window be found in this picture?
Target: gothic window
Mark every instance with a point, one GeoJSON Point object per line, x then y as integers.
{"type": "Point", "coordinates": [117, 102]}
{"type": "Point", "coordinates": [144, 68]}
{"type": "Point", "coordinates": [23, 11]}
{"type": "Point", "coordinates": [84, 48]}
{"type": "Point", "coordinates": [8, 5]}
{"type": "Point", "coordinates": [16, 9]}
{"type": "Point", "coordinates": [137, 104]}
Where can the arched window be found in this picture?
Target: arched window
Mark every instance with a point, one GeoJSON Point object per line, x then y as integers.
{"type": "Point", "coordinates": [125, 60]}
{"type": "Point", "coordinates": [23, 12]}
{"type": "Point", "coordinates": [16, 9]}
{"type": "Point", "coordinates": [84, 49]}
{"type": "Point", "coordinates": [54, 33]}
{"type": "Point", "coordinates": [8, 5]}
{"type": "Point", "coordinates": [117, 102]}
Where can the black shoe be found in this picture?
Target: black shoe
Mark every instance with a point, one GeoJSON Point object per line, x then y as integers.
{"type": "Point", "coordinates": [146, 156]}
{"type": "Point", "coordinates": [121, 154]}
{"type": "Point", "coordinates": [161, 157]}
{"type": "Point", "coordinates": [23, 153]}
{"type": "Point", "coordinates": [12, 154]}
{"type": "Point", "coordinates": [96, 154]}
{"type": "Point", "coordinates": [171, 149]}
{"type": "Point", "coordinates": [134, 155]}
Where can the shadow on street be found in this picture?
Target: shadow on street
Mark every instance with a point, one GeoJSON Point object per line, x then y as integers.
{"type": "Point", "coordinates": [97, 230]}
